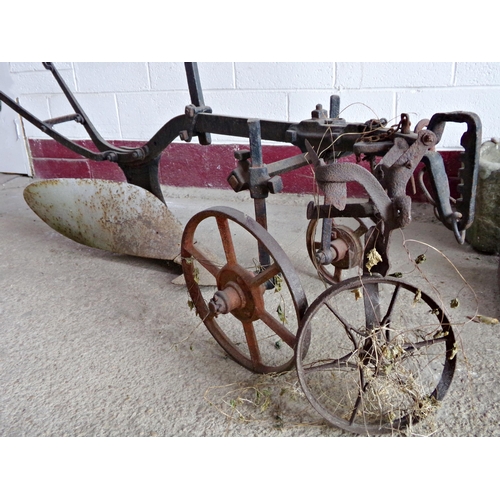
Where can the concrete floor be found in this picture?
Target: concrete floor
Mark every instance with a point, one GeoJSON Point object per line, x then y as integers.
{"type": "Point", "coordinates": [101, 344]}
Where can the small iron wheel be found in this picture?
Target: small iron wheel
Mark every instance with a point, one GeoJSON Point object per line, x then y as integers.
{"type": "Point", "coordinates": [350, 238]}
{"type": "Point", "coordinates": [380, 355]}
{"type": "Point", "coordinates": [255, 312]}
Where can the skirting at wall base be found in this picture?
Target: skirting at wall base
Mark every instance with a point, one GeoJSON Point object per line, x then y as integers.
{"type": "Point", "coordinates": [192, 165]}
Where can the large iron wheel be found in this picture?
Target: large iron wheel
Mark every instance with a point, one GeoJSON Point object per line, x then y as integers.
{"type": "Point", "coordinates": [350, 240]}
{"type": "Point", "coordinates": [380, 355]}
{"type": "Point", "coordinates": [255, 311]}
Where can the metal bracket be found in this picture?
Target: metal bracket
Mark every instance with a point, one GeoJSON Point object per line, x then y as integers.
{"type": "Point", "coordinates": [192, 113]}
{"type": "Point", "coordinates": [463, 213]}
{"type": "Point", "coordinates": [196, 93]}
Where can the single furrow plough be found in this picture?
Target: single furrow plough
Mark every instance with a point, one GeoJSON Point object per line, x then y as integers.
{"type": "Point", "coordinates": [369, 356]}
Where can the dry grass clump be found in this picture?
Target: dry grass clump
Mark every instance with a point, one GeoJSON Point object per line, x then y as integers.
{"type": "Point", "coordinates": [274, 399]}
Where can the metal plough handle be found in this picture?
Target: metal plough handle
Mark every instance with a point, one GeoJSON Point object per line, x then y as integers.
{"type": "Point", "coordinates": [106, 150]}
{"type": "Point", "coordinates": [140, 165]}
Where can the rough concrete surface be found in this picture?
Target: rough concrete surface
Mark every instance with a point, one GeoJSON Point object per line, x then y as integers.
{"type": "Point", "coordinates": [100, 344]}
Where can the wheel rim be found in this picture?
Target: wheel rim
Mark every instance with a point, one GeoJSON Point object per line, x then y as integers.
{"type": "Point", "coordinates": [379, 363]}
{"type": "Point", "coordinates": [254, 323]}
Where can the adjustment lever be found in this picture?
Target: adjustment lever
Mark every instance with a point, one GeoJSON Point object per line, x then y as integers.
{"type": "Point", "coordinates": [463, 214]}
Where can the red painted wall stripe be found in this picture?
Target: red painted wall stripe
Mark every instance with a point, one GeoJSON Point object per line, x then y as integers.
{"type": "Point", "coordinates": [192, 165]}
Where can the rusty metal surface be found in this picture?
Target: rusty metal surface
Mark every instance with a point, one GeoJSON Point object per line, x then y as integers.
{"type": "Point", "coordinates": [332, 137]}
{"type": "Point", "coordinates": [346, 248]}
{"type": "Point", "coordinates": [459, 217]}
{"type": "Point", "coordinates": [133, 219]}
{"type": "Point", "coordinates": [113, 216]}
{"type": "Point", "coordinates": [241, 293]}
{"type": "Point", "coordinates": [352, 172]}
{"type": "Point", "coordinates": [368, 352]}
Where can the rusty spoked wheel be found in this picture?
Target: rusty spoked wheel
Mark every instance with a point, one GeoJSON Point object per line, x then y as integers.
{"type": "Point", "coordinates": [254, 312]}
{"type": "Point", "coordinates": [380, 355]}
{"type": "Point", "coordinates": [346, 245]}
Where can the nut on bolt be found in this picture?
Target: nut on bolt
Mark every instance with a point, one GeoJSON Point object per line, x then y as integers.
{"type": "Point", "coordinates": [216, 305]}
{"type": "Point", "coordinates": [324, 257]}
{"type": "Point", "coordinates": [319, 112]}
{"type": "Point", "coordinates": [138, 154]}
{"type": "Point", "coordinates": [242, 154]}
{"type": "Point", "coordinates": [275, 185]}
{"type": "Point", "coordinates": [184, 135]}
{"type": "Point", "coordinates": [291, 135]}
{"type": "Point", "coordinates": [190, 110]}
{"type": "Point", "coordinates": [234, 182]}
{"type": "Point", "coordinates": [428, 137]}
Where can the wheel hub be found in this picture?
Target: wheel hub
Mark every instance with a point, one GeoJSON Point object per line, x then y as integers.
{"type": "Point", "coordinates": [236, 294]}
{"type": "Point", "coordinates": [346, 248]}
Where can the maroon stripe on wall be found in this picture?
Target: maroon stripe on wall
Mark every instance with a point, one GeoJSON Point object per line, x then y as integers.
{"type": "Point", "coordinates": [192, 165]}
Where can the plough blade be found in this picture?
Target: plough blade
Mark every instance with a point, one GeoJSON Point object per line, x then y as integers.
{"type": "Point", "coordinates": [113, 216]}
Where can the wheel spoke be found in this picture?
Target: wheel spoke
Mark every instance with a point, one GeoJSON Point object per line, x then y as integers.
{"type": "Point", "coordinates": [227, 239]}
{"type": "Point", "coordinates": [253, 345]}
{"type": "Point", "coordinates": [387, 316]}
{"type": "Point", "coordinates": [386, 322]}
{"type": "Point", "coordinates": [337, 275]}
{"type": "Point", "coordinates": [209, 265]}
{"type": "Point", "coordinates": [415, 346]}
{"type": "Point", "coordinates": [372, 305]}
{"type": "Point", "coordinates": [329, 364]}
{"type": "Point", "coordinates": [347, 326]}
{"type": "Point", "coordinates": [360, 230]}
{"type": "Point", "coordinates": [359, 399]}
{"type": "Point", "coordinates": [266, 274]}
{"type": "Point", "coordinates": [277, 327]}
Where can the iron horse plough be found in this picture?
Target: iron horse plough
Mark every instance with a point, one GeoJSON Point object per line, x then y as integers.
{"type": "Point", "coordinates": [375, 364]}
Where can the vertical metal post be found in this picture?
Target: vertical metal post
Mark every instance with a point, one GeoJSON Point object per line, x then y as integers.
{"type": "Point", "coordinates": [254, 136]}
{"type": "Point", "coordinates": [196, 94]}
{"type": "Point", "coordinates": [334, 106]}
{"type": "Point", "coordinates": [260, 201]}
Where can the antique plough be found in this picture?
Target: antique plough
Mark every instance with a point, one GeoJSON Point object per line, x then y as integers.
{"type": "Point", "coordinates": [370, 357]}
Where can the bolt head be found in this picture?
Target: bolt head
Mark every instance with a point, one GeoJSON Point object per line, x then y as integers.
{"type": "Point", "coordinates": [189, 110]}
{"type": "Point", "coordinates": [275, 185]}
{"type": "Point", "coordinates": [233, 182]}
{"type": "Point", "coordinates": [291, 136]}
{"type": "Point", "coordinates": [428, 138]}
{"type": "Point", "coordinates": [242, 154]}
{"type": "Point", "coordinates": [184, 136]}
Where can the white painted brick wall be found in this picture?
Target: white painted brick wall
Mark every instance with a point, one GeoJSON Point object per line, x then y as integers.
{"type": "Point", "coordinates": [393, 75]}
{"type": "Point", "coordinates": [284, 76]}
{"type": "Point", "coordinates": [132, 101]}
{"type": "Point", "coordinates": [112, 78]}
